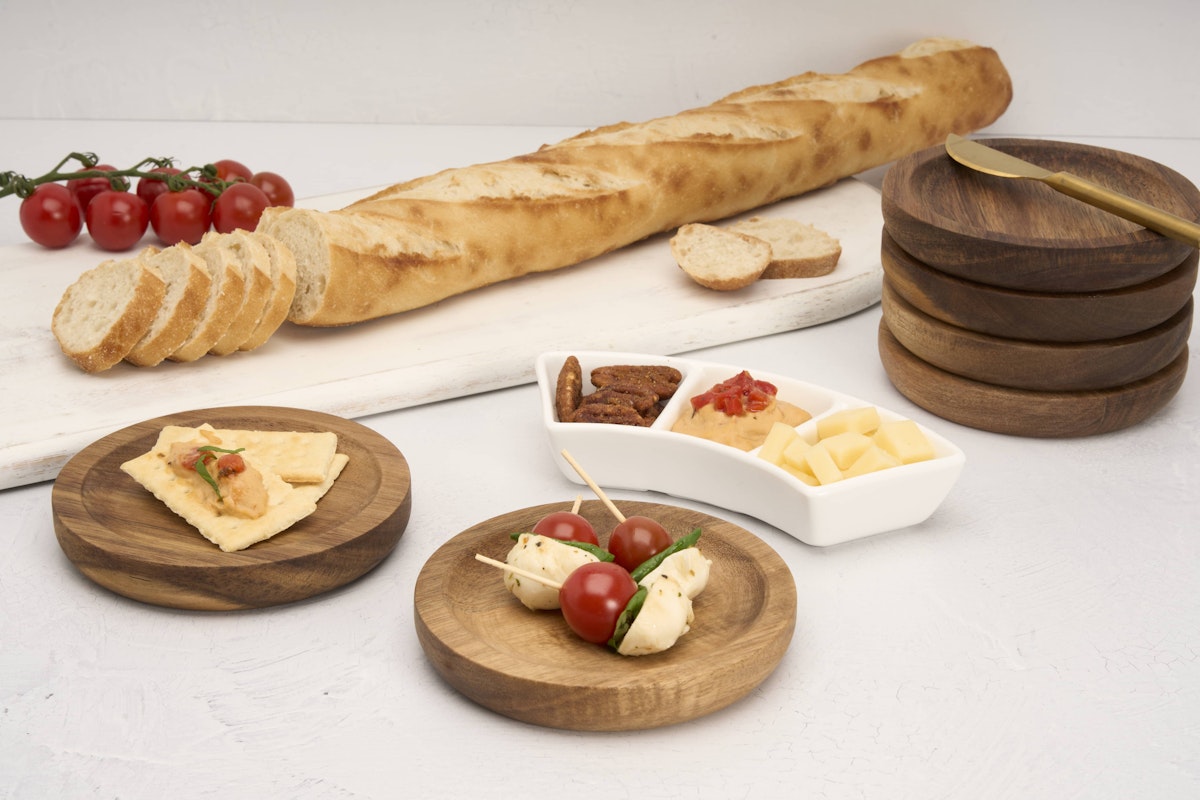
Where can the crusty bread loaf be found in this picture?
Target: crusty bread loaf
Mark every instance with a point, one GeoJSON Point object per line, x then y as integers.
{"type": "Point", "coordinates": [718, 258]}
{"type": "Point", "coordinates": [798, 250]}
{"type": "Point", "coordinates": [249, 253]}
{"type": "Point", "coordinates": [224, 299]}
{"type": "Point", "coordinates": [104, 313]}
{"type": "Point", "coordinates": [283, 287]}
{"type": "Point", "coordinates": [425, 240]}
{"type": "Point", "coordinates": [187, 284]}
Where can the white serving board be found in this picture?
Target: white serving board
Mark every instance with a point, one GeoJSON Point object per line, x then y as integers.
{"type": "Point", "coordinates": [634, 300]}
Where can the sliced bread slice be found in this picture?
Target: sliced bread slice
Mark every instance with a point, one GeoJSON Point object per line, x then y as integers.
{"type": "Point", "coordinates": [720, 259]}
{"type": "Point", "coordinates": [798, 250]}
{"type": "Point", "coordinates": [283, 278]}
{"type": "Point", "coordinates": [224, 300]}
{"type": "Point", "coordinates": [256, 267]}
{"type": "Point", "coordinates": [106, 311]}
{"type": "Point", "coordinates": [188, 283]}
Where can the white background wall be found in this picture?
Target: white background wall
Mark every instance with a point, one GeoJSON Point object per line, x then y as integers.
{"type": "Point", "coordinates": [1076, 66]}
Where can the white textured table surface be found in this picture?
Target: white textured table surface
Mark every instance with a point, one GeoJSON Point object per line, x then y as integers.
{"type": "Point", "coordinates": [1039, 636]}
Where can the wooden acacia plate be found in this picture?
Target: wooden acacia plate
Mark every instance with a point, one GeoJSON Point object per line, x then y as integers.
{"type": "Point", "coordinates": [529, 666]}
{"type": "Point", "coordinates": [1021, 412]}
{"type": "Point", "coordinates": [1039, 316]}
{"type": "Point", "coordinates": [1041, 366]}
{"type": "Point", "coordinates": [120, 536]}
{"type": "Point", "coordinates": [1024, 235]}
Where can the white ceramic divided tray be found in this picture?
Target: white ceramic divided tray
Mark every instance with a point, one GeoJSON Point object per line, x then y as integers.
{"type": "Point", "coordinates": [635, 298]}
{"type": "Point", "coordinates": [657, 459]}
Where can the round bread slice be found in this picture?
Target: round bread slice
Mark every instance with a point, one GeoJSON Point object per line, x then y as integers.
{"type": "Point", "coordinates": [283, 279]}
{"type": "Point", "coordinates": [106, 311]}
{"type": "Point", "coordinates": [224, 299]}
{"type": "Point", "coordinates": [798, 250]}
{"type": "Point", "coordinates": [188, 283]}
{"type": "Point", "coordinates": [256, 267]}
{"type": "Point", "coordinates": [718, 258]}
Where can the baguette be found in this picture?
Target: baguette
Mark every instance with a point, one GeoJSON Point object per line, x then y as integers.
{"type": "Point", "coordinates": [187, 285]}
{"type": "Point", "coordinates": [225, 293]}
{"type": "Point", "coordinates": [420, 242]}
{"type": "Point", "coordinates": [798, 250]}
{"type": "Point", "coordinates": [718, 258]}
{"type": "Point", "coordinates": [104, 313]}
{"type": "Point", "coordinates": [249, 254]}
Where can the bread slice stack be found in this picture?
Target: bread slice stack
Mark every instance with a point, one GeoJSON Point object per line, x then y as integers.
{"type": "Point", "coordinates": [733, 257]}
{"type": "Point", "coordinates": [227, 294]}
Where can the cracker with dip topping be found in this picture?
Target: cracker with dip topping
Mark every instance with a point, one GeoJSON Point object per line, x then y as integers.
{"type": "Point", "coordinates": [292, 455]}
{"type": "Point", "coordinates": [191, 499]}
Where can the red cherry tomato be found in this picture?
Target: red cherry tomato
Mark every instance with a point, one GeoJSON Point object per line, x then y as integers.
{"type": "Point", "coordinates": [181, 216]}
{"type": "Point", "coordinates": [275, 187]}
{"type": "Point", "coordinates": [566, 526]}
{"type": "Point", "coordinates": [117, 220]}
{"type": "Point", "coordinates": [637, 539]}
{"type": "Point", "coordinates": [239, 206]}
{"type": "Point", "coordinates": [50, 216]}
{"type": "Point", "coordinates": [593, 597]}
{"type": "Point", "coordinates": [150, 188]}
{"type": "Point", "coordinates": [86, 189]}
{"type": "Point", "coordinates": [230, 170]}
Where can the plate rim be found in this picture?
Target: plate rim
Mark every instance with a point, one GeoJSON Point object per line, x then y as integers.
{"type": "Point", "coordinates": [77, 535]}
{"type": "Point", "coordinates": [508, 671]}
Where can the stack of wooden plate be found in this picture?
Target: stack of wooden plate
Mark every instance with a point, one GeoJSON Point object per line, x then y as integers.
{"type": "Point", "coordinates": [1011, 308]}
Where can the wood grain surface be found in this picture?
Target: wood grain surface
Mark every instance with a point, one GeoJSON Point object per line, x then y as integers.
{"type": "Point", "coordinates": [529, 666]}
{"type": "Point", "coordinates": [120, 536]}
{"type": "Point", "coordinates": [1021, 412]}
{"type": "Point", "coordinates": [1022, 234]}
{"type": "Point", "coordinates": [1040, 366]}
{"type": "Point", "coordinates": [1038, 316]}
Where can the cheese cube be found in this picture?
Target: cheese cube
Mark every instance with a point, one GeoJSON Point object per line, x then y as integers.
{"type": "Point", "coordinates": [846, 447]}
{"type": "Point", "coordinates": [822, 464]}
{"type": "Point", "coordinates": [803, 474]}
{"type": "Point", "coordinates": [778, 438]}
{"type": "Point", "coordinates": [905, 441]}
{"type": "Point", "coordinates": [873, 459]}
{"type": "Point", "coordinates": [793, 454]}
{"type": "Point", "coordinates": [859, 420]}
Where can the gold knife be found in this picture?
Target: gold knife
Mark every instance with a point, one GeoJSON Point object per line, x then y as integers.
{"type": "Point", "coordinates": [985, 159]}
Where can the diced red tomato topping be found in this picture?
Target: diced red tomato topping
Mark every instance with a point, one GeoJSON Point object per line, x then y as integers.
{"type": "Point", "coordinates": [230, 463]}
{"type": "Point", "coordinates": [739, 395]}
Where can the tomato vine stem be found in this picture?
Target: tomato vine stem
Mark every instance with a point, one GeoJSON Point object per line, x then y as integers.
{"type": "Point", "coordinates": [205, 176]}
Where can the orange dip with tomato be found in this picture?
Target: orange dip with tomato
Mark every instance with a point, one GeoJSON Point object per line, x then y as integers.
{"type": "Point", "coordinates": [738, 412]}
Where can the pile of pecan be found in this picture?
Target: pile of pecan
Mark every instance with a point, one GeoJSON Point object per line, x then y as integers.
{"type": "Point", "coordinates": [624, 394]}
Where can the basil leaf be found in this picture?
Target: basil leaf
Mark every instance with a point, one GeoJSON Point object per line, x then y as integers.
{"type": "Point", "coordinates": [202, 471]}
{"type": "Point", "coordinates": [652, 563]}
{"type": "Point", "coordinates": [628, 615]}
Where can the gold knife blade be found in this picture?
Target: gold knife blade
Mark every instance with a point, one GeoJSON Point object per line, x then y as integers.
{"type": "Point", "coordinates": [988, 160]}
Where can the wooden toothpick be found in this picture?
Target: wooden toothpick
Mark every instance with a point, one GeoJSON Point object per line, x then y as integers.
{"type": "Point", "coordinates": [591, 483]}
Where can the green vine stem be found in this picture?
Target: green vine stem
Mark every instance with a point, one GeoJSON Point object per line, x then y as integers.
{"type": "Point", "coordinates": [205, 176]}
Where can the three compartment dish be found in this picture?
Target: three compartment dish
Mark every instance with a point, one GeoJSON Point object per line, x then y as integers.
{"type": "Point", "coordinates": [655, 458]}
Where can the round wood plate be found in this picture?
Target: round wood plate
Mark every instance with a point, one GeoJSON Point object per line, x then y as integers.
{"type": "Point", "coordinates": [1023, 234]}
{"type": "Point", "coordinates": [529, 666]}
{"type": "Point", "coordinates": [120, 536]}
{"type": "Point", "coordinates": [1021, 412]}
{"type": "Point", "coordinates": [1038, 316]}
{"type": "Point", "coordinates": [1040, 366]}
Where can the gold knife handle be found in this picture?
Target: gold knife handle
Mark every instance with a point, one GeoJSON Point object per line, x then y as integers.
{"type": "Point", "coordinates": [1122, 205]}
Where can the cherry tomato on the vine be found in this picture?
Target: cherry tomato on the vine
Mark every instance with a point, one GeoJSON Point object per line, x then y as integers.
{"type": "Point", "coordinates": [637, 539]}
{"type": "Point", "coordinates": [181, 216]}
{"type": "Point", "coordinates": [117, 220]}
{"type": "Point", "coordinates": [239, 206]}
{"type": "Point", "coordinates": [85, 189]}
{"type": "Point", "coordinates": [50, 216]}
{"type": "Point", "coordinates": [275, 187]}
{"type": "Point", "coordinates": [149, 188]}
{"type": "Point", "coordinates": [230, 170]}
{"type": "Point", "coordinates": [566, 526]}
{"type": "Point", "coordinates": [593, 597]}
